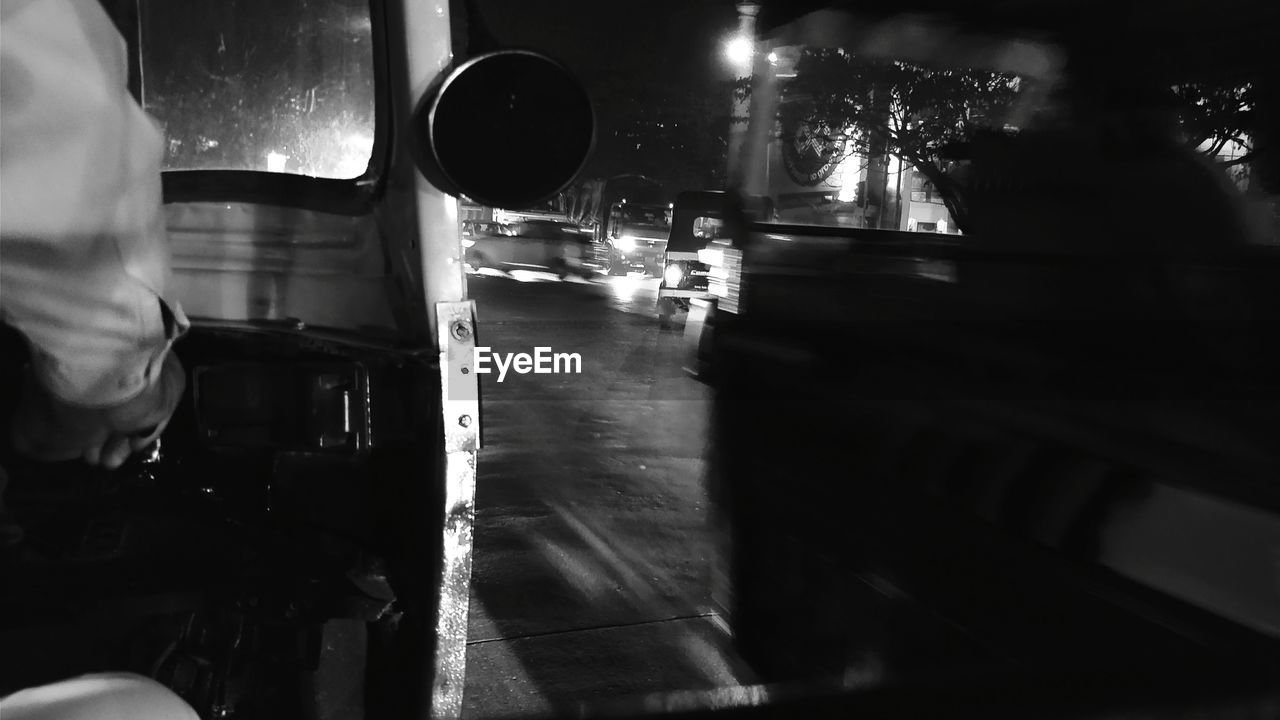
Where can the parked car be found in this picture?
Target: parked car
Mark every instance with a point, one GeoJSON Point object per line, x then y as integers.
{"type": "Point", "coordinates": [536, 245]}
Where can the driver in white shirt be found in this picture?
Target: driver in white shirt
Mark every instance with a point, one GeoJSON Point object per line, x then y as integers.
{"type": "Point", "coordinates": [84, 277]}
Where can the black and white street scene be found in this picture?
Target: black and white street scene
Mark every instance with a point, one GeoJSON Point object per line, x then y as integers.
{"type": "Point", "coordinates": [689, 359]}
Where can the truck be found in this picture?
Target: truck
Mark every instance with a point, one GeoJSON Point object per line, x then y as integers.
{"type": "Point", "coordinates": [632, 237]}
{"type": "Point", "coordinates": [1027, 458]}
{"type": "Point", "coordinates": [629, 218]}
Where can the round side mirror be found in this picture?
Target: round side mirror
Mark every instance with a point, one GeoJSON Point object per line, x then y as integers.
{"type": "Point", "coordinates": [508, 129]}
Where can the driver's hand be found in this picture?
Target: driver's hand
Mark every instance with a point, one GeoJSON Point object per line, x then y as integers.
{"type": "Point", "coordinates": [51, 430]}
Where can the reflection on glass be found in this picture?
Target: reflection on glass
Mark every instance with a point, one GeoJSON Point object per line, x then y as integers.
{"type": "Point", "coordinates": [244, 85]}
{"type": "Point", "coordinates": [873, 140]}
{"type": "Point", "coordinates": [860, 139]}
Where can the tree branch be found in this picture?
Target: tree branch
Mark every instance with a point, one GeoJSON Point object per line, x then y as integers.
{"type": "Point", "coordinates": [1243, 159]}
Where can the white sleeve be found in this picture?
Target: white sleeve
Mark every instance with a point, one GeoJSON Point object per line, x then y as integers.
{"type": "Point", "coordinates": [101, 696]}
{"type": "Point", "coordinates": [84, 257]}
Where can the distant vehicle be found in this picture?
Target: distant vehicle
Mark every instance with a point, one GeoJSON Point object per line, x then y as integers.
{"type": "Point", "coordinates": [634, 238]}
{"type": "Point", "coordinates": [697, 228]}
{"type": "Point", "coordinates": [537, 245]}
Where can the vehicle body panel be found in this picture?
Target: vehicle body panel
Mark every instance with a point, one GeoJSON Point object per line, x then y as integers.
{"type": "Point", "coordinates": [262, 262]}
{"type": "Point", "coordinates": [986, 471]}
{"type": "Point", "coordinates": [1037, 446]}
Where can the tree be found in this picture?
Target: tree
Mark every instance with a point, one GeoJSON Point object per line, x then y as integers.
{"type": "Point", "coordinates": [877, 107]}
{"type": "Point", "coordinates": [1220, 120]}
{"type": "Point", "coordinates": [1215, 115]}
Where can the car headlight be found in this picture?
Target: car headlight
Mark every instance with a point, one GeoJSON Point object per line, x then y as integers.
{"type": "Point", "coordinates": [468, 242]}
{"type": "Point", "coordinates": [672, 276]}
{"type": "Point", "coordinates": [625, 244]}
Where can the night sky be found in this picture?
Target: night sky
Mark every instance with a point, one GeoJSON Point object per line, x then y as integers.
{"type": "Point", "coordinates": [650, 67]}
{"type": "Point", "coordinates": [670, 40]}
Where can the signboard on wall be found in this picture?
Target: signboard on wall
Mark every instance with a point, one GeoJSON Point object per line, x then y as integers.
{"type": "Point", "coordinates": [810, 153]}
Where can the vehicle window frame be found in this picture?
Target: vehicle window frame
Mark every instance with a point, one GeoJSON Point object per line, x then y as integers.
{"type": "Point", "coordinates": [717, 224]}
{"type": "Point", "coordinates": [340, 196]}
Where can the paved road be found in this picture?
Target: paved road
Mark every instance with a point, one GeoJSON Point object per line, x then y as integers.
{"type": "Point", "coordinates": [592, 558]}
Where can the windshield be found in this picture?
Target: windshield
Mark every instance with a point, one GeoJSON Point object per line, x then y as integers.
{"type": "Point", "coordinates": [642, 217]}
{"type": "Point", "coordinates": [284, 87]}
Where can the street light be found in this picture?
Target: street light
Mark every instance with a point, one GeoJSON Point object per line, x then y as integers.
{"type": "Point", "coordinates": [738, 51]}
{"type": "Point", "coordinates": [276, 162]}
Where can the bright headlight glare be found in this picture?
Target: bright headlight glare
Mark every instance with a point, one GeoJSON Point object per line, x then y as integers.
{"type": "Point", "coordinates": [625, 244]}
{"type": "Point", "coordinates": [673, 275]}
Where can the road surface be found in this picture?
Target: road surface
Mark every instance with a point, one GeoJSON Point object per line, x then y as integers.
{"type": "Point", "coordinates": [592, 556]}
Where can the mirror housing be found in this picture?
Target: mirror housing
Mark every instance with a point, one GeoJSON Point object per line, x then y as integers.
{"type": "Point", "coordinates": [507, 129]}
